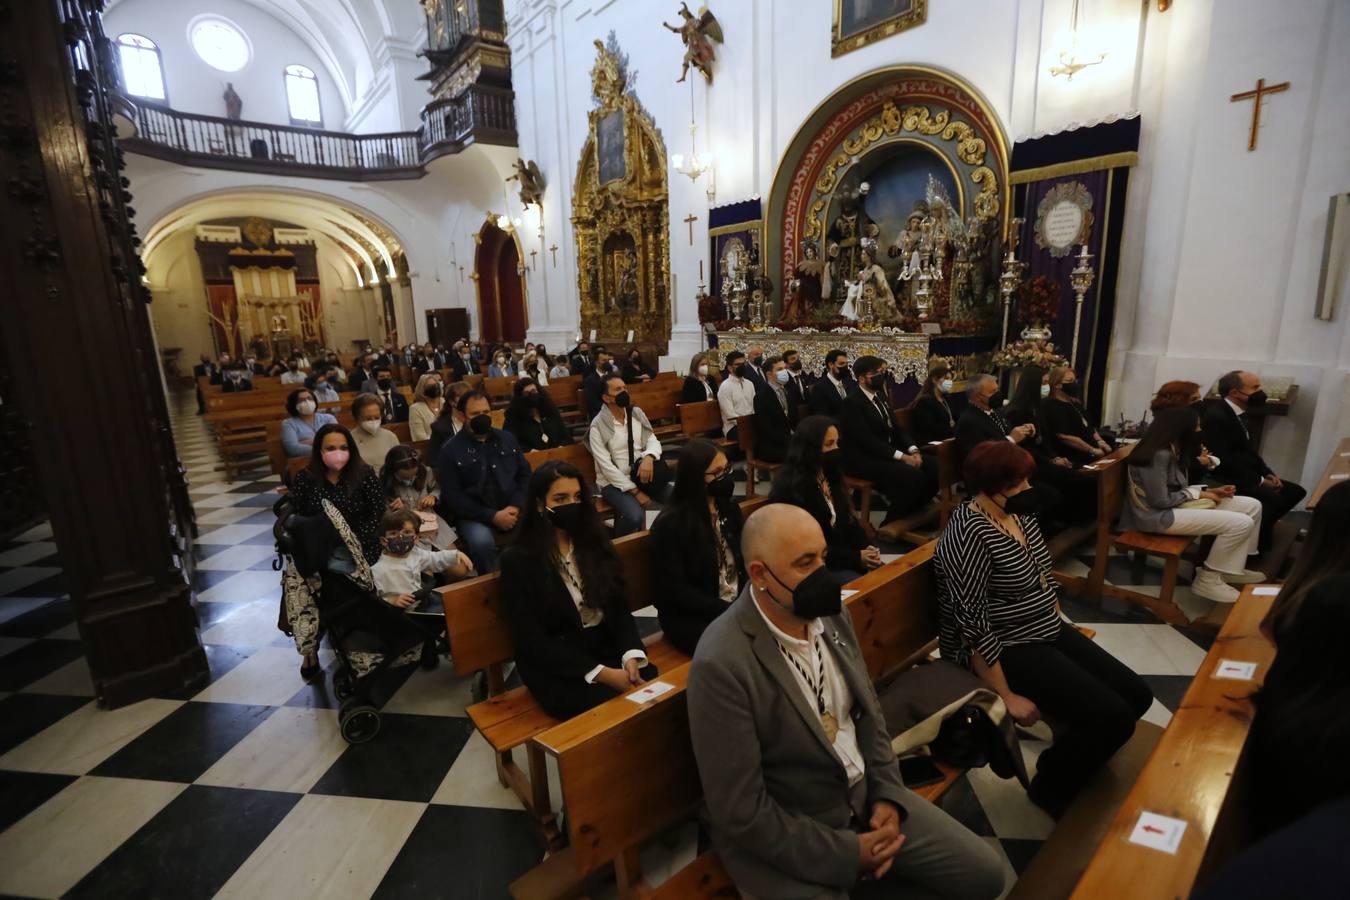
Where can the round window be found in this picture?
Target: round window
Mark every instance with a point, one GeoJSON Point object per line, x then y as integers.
{"type": "Point", "coordinates": [220, 45]}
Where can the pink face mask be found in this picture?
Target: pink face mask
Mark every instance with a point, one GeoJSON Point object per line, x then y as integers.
{"type": "Point", "coordinates": [336, 460]}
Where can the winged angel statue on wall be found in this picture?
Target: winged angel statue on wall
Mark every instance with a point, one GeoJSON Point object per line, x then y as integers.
{"type": "Point", "coordinates": [698, 34]}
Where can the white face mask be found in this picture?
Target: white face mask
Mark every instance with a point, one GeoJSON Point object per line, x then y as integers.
{"type": "Point", "coordinates": [1045, 390]}
{"type": "Point", "coordinates": [782, 376]}
{"type": "Point", "coordinates": [703, 370]}
{"type": "Point", "coordinates": [306, 407]}
{"type": "Point", "coordinates": [371, 426]}
{"type": "Point", "coordinates": [946, 386]}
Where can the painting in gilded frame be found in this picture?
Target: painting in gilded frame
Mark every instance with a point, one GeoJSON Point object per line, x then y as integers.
{"type": "Point", "coordinates": [609, 134]}
{"type": "Point", "coordinates": [858, 23]}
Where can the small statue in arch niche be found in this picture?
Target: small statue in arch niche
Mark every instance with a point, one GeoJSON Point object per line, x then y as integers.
{"type": "Point", "coordinates": [234, 104]}
{"type": "Point", "coordinates": [698, 34]}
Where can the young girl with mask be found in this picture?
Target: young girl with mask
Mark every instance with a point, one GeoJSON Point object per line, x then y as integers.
{"type": "Point", "coordinates": [697, 539]}
{"type": "Point", "coordinates": [563, 593]}
{"type": "Point", "coordinates": [933, 419]}
{"type": "Point", "coordinates": [410, 484]}
{"type": "Point", "coordinates": [998, 612]}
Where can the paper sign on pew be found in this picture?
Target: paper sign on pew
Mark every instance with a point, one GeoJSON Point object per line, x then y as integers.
{"type": "Point", "coordinates": [649, 691]}
{"type": "Point", "coordinates": [1235, 670]}
{"type": "Point", "coordinates": [1158, 832]}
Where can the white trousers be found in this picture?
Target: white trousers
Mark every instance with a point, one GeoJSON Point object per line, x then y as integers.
{"type": "Point", "coordinates": [1235, 524]}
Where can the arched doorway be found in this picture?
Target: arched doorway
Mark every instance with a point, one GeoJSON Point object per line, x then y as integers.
{"type": "Point", "coordinates": [501, 285]}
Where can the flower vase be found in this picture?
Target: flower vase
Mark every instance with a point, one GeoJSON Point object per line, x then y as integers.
{"type": "Point", "coordinates": [1037, 332]}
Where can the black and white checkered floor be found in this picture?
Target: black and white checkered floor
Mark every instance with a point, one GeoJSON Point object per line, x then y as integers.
{"type": "Point", "coordinates": [246, 789]}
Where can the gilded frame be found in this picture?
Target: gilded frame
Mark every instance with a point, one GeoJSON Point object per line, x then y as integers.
{"type": "Point", "coordinates": [841, 43]}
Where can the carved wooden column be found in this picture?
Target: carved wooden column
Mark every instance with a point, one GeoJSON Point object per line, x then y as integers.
{"type": "Point", "coordinates": [77, 337]}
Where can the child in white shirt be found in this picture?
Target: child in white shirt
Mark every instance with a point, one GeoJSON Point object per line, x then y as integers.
{"type": "Point", "coordinates": [398, 572]}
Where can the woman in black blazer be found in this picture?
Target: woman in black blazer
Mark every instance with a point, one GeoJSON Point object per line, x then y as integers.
{"type": "Point", "coordinates": [701, 383]}
{"type": "Point", "coordinates": [533, 418]}
{"type": "Point", "coordinates": [635, 371]}
{"type": "Point", "coordinates": [697, 546]}
{"type": "Point", "coordinates": [812, 477]}
{"type": "Point", "coordinates": [562, 589]}
{"type": "Point", "coordinates": [932, 417]}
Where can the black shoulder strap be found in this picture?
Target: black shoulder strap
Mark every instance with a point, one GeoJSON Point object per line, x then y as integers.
{"type": "Point", "coordinates": [631, 410]}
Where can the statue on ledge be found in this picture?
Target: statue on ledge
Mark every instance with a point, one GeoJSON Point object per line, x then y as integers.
{"type": "Point", "coordinates": [698, 35]}
{"type": "Point", "coordinates": [809, 285]}
{"type": "Point", "coordinates": [845, 236]}
{"type": "Point", "coordinates": [872, 275]}
{"type": "Point", "coordinates": [234, 104]}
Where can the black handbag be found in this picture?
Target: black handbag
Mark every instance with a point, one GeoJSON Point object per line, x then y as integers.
{"type": "Point", "coordinates": [661, 476]}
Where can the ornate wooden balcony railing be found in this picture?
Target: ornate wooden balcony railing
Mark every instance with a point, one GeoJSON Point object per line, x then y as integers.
{"type": "Point", "coordinates": [481, 114]}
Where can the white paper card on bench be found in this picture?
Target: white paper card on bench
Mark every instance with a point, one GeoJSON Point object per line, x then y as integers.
{"type": "Point", "coordinates": [1235, 670]}
{"type": "Point", "coordinates": [1267, 590]}
{"type": "Point", "coordinates": [846, 593]}
{"type": "Point", "coordinates": [1158, 832]}
{"type": "Point", "coordinates": [650, 691]}
{"type": "Point", "coordinates": [629, 339]}
{"type": "Point", "coordinates": [1340, 477]}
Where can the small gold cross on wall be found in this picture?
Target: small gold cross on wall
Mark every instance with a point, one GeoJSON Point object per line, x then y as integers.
{"type": "Point", "coordinates": [533, 254]}
{"type": "Point", "coordinates": [554, 251]}
{"type": "Point", "coordinates": [690, 220]}
{"type": "Point", "coordinates": [1258, 95]}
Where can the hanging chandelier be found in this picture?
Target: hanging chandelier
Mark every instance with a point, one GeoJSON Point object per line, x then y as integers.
{"type": "Point", "coordinates": [1070, 63]}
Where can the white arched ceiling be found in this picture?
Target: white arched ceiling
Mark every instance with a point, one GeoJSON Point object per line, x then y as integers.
{"type": "Point", "coordinates": [348, 36]}
{"type": "Point", "coordinates": [320, 215]}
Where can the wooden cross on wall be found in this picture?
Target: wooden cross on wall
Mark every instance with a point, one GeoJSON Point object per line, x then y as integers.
{"type": "Point", "coordinates": [533, 254]}
{"type": "Point", "coordinates": [554, 251]}
{"type": "Point", "coordinates": [1258, 95]}
{"type": "Point", "coordinates": [690, 220]}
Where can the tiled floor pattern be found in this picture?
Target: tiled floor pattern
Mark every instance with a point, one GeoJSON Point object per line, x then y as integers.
{"type": "Point", "coordinates": [246, 789]}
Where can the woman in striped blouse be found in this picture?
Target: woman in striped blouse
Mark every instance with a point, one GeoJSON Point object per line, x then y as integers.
{"type": "Point", "coordinates": [999, 613]}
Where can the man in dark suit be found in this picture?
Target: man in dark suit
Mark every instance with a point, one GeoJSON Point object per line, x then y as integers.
{"type": "Point", "coordinates": [775, 413]}
{"type": "Point", "coordinates": [593, 382]}
{"type": "Point", "coordinates": [579, 360]}
{"type": "Point", "coordinates": [877, 449]}
{"type": "Point", "coordinates": [394, 405]}
{"type": "Point", "coordinates": [800, 381]}
{"type": "Point", "coordinates": [362, 374]}
{"type": "Point", "coordinates": [1227, 437]}
{"type": "Point", "coordinates": [428, 360]}
{"type": "Point", "coordinates": [981, 421]}
{"type": "Point", "coordinates": [834, 385]}
{"type": "Point", "coordinates": [462, 362]}
{"type": "Point", "coordinates": [803, 796]}
{"type": "Point", "coordinates": [756, 369]}
{"type": "Point", "coordinates": [210, 371]}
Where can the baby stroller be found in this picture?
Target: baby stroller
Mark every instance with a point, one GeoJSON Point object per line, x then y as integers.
{"type": "Point", "coordinates": [328, 587]}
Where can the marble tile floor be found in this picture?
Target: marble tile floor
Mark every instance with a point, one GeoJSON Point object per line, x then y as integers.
{"type": "Point", "coordinates": [246, 789]}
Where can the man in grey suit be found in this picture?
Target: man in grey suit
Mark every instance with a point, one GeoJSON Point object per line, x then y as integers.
{"type": "Point", "coordinates": [802, 791]}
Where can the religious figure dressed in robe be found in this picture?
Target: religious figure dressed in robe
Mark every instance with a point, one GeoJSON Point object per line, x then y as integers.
{"type": "Point", "coordinates": [809, 285]}
{"type": "Point", "coordinates": [908, 246]}
{"type": "Point", "coordinates": [871, 274]}
{"type": "Point", "coordinates": [846, 234]}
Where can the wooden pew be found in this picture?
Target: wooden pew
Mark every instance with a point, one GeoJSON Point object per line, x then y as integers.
{"type": "Point", "coordinates": [703, 420]}
{"type": "Point", "coordinates": [499, 389]}
{"type": "Point", "coordinates": [1109, 472]}
{"type": "Point", "coordinates": [659, 400]}
{"type": "Point", "coordinates": [577, 455]}
{"type": "Point", "coordinates": [481, 640]}
{"type": "Point", "coordinates": [1337, 468]}
{"type": "Point", "coordinates": [745, 439]}
{"type": "Point", "coordinates": [1197, 773]}
{"type": "Point", "coordinates": [895, 617]}
{"type": "Point", "coordinates": [563, 393]}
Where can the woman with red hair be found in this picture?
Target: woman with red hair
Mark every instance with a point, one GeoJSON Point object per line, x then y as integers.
{"type": "Point", "coordinates": [1174, 394]}
{"type": "Point", "coordinates": [998, 605]}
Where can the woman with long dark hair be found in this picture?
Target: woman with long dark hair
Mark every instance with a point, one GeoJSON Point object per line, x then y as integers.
{"type": "Point", "coordinates": [932, 414]}
{"type": "Point", "coordinates": [697, 546]}
{"type": "Point", "coordinates": [1324, 554]}
{"type": "Point", "coordinates": [812, 477]}
{"type": "Point", "coordinates": [1072, 496]}
{"type": "Point", "coordinates": [1159, 499]}
{"type": "Point", "coordinates": [533, 418]}
{"type": "Point", "coordinates": [563, 592]}
{"type": "Point", "coordinates": [411, 484]}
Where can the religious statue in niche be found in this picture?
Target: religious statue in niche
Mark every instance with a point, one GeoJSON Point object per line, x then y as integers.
{"type": "Point", "coordinates": [872, 276]}
{"type": "Point", "coordinates": [810, 283]}
{"type": "Point", "coordinates": [531, 182]}
{"type": "Point", "coordinates": [698, 34]}
{"type": "Point", "coordinates": [625, 281]}
{"type": "Point", "coordinates": [279, 323]}
{"type": "Point", "coordinates": [845, 236]}
{"type": "Point", "coordinates": [234, 104]}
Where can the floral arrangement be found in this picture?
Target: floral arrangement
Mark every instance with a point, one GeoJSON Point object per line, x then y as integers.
{"type": "Point", "coordinates": [1020, 354]}
{"type": "Point", "coordinates": [1038, 301]}
{"type": "Point", "coordinates": [965, 326]}
{"type": "Point", "coordinates": [709, 308]}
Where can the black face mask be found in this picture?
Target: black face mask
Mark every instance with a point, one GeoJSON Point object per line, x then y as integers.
{"type": "Point", "coordinates": [1070, 389]}
{"type": "Point", "coordinates": [481, 424]}
{"type": "Point", "coordinates": [401, 545]}
{"type": "Point", "coordinates": [832, 461]}
{"type": "Point", "coordinates": [294, 367]}
{"type": "Point", "coordinates": [568, 517]}
{"type": "Point", "coordinates": [722, 487]}
{"type": "Point", "coordinates": [995, 400]}
{"type": "Point", "coordinates": [739, 370]}
{"type": "Point", "coordinates": [433, 391]}
{"type": "Point", "coordinates": [816, 595]}
{"type": "Point", "coordinates": [796, 367]}
{"type": "Point", "coordinates": [1026, 503]}
{"type": "Point", "coordinates": [385, 383]}
{"type": "Point", "coordinates": [1198, 406]}
{"type": "Point", "coordinates": [758, 360]}
{"type": "Point", "coordinates": [1257, 399]}
{"type": "Point", "coordinates": [623, 401]}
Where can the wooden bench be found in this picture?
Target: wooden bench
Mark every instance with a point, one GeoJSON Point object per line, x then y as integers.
{"type": "Point", "coordinates": [704, 420]}
{"type": "Point", "coordinates": [563, 392]}
{"type": "Point", "coordinates": [578, 455]}
{"type": "Point", "coordinates": [647, 749]}
{"type": "Point", "coordinates": [1196, 773]}
{"type": "Point", "coordinates": [659, 400]}
{"type": "Point", "coordinates": [1110, 475]}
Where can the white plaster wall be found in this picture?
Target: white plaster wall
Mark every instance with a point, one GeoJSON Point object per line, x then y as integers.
{"type": "Point", "coordinates": [1224, 246]}
{"type": "Point", "coordinates": [178, 305]}
{"type": "Point", "coordinates": [193, 86]}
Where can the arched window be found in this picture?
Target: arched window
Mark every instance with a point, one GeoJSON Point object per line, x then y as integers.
{"type": "Point", "coordinates": [142, 74]}
{"type": "Point", "coordinates": [302, 96]}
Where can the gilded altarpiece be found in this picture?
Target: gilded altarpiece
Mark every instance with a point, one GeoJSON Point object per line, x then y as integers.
{"type": "Point", "coordinates": [620, 214]}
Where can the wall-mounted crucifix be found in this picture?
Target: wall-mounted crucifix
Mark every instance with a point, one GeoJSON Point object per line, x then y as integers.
{"type": "Point", "coordinates": [690, 220]}
{"type": "Point", "coordinates": [461, 274]}
{"type": "Point", "coordinates": [533, 254]}
{"type": "Point", "coordinates": [1259, 96]}
{"type": "Point", "coordinates": [554, 251]}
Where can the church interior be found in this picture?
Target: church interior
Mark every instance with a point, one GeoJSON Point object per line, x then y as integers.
{"type": "Point", "coordinates": [538, 449]}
